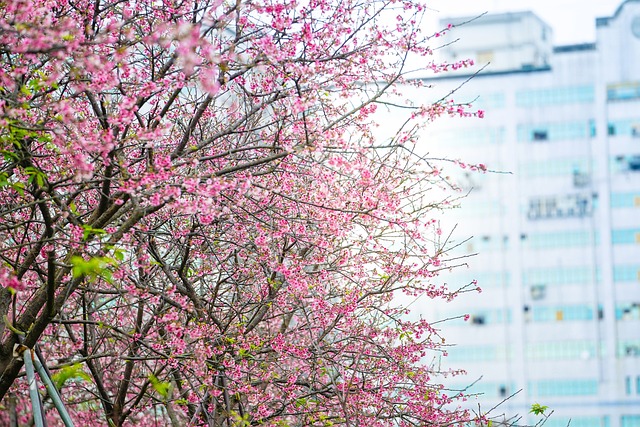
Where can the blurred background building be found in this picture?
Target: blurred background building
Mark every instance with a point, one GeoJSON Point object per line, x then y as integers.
{"type": "Point", "coordinates": [557, 229]}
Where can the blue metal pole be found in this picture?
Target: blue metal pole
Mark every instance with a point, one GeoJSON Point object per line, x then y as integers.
{"type": "Point", "coordinates": [53, 393]}
{"type": "Point", "coordinates": [33, 388]}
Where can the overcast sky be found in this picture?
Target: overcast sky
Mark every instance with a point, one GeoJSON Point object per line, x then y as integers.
{"type": "Point", "coordinates": [573, 21]}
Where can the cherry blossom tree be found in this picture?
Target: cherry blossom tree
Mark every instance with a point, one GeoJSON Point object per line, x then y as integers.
{"type": "Point", "coordinates": [199, 226]}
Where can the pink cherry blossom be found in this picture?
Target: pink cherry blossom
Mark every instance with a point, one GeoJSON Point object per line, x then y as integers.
{"type": "Point", "coordinates": [200, 225]}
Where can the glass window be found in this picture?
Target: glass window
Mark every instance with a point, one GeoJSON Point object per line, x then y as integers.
{"type": "Point", "coordinates": [626, 273]}
{"type": "Point", "coordinates": [488, 317]}
{"type": "Point", "coordinates": [560, 275]}
{"type": "Point", "coordinates": [629, 163]}
{"type": "Point", "coordinates": [561, 312]}
{"type": "Point", "coordinates": [555, 96]}
{"type": "Point", "coordinates": [486, 243]}
{"type": "Point", "coordinates": [563, 387]}
{"type": "Point", "coordinates": [628, 311]}
{"type": "Point", "coordinates": [569, 206]}
{"type": "Point", "coordinates": [561, 350]}
{"type": "Point", "coordinates": [478, 353]}
{"type": "Point", "coordinates": [486, 389]}
{"type": "Point", "coordinates": [577, 421]}
{"type": "Point", "coordinates": [553, 167]}
{"type": "Point", "coordinates": [554, 131]}
{"type": "Point", "coordinates": [630, 421]}
{"type": "Point", "coordinates": [626, 236]}
{"type": "Point", "coordinates": [560, 240]}
{"type": "Point", "coordinates": [629, 348]}
{"type": "Point", "coordinates": [624, 127]}
{"type": "Point", "coordinates": [477, 317]}
{"type": "Point", "coordinates": [625, 200]}
{"type": "Point", "coordinates": [623, 91]}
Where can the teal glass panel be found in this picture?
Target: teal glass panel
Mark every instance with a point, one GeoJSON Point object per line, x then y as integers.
{"type": "Point", "coordinates": [555, 96]}
{"type": "Point", "coordinates": [554, 131]}
{"type": "Point", "coordinates": [561, 350]}
{"type": "Point", "coordinates": [554, 167]}
{"type": "Point", "coordinates": [627, 127]}
{"type": "Point", "coordinates": [625, 200]}
{"type": "Point", "coordinates": [559, 276]}
{"type": "Point", "coordinates": [630, 421]}
{"type": "Point", "coordinates": [563, 388]}
{"type": "Point", "coordinates": [577, 421]}
{"type": "Point", "coordinates": [560, 240]}
{"type": "Point", "coordinates": [478, 353]}
{"type": "Point", "coordinates": [562, 313]}
{"type": "Point", "coordinates": [626, 273]}
{"type": "Point", "coordinates": [625, 236]}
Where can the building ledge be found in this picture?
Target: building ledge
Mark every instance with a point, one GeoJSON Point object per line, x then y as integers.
{"type": "Point", "coordinates": [446, 76]}
{"type": "Point", "coordinates": [574, 48]}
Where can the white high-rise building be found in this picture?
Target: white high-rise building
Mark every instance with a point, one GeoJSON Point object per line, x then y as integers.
{"type": "Point", "coordinates": [558, 232]}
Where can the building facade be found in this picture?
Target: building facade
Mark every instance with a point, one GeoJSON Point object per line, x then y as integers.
{"type": "Point", "coordinates": [555, 226]}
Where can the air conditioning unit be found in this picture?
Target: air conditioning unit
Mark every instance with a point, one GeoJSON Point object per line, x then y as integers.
{"type": "Point", "coordinates": [538, 292]}
{"type": "Point", "coordinates": [633, 162]}
{"type": "Point", "coordinates": [478, 320]}
{"type": "Point", "coordinates": [581, 179]}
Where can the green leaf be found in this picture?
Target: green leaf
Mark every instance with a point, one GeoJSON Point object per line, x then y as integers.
{"type": "Point", "coordinates": [89, 231]}
{"type": "Point", "coordinates": [118, 254]}
{"type": "Point", "coordinates": [73, 372]}
{"type": "Point", "coordinates": [45, 138]}
{"type": "Point", "coordinates": [19, 187]}
{"type": "Point", "coordinates": [25, 91]}
{"type": "Point", "coordinates": [163, 388]}
{"type": "Point", "coordinates": [538, 409]}
{"type": "Point", "coordinates": [92, 268]}
{"type": "Point", "coordinates": [35, 175]}
{"type": "Point", "coordinates": [10, 156]}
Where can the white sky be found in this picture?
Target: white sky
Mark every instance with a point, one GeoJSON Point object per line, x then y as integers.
{"type": "Point", "coordinates": [573, 21]}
